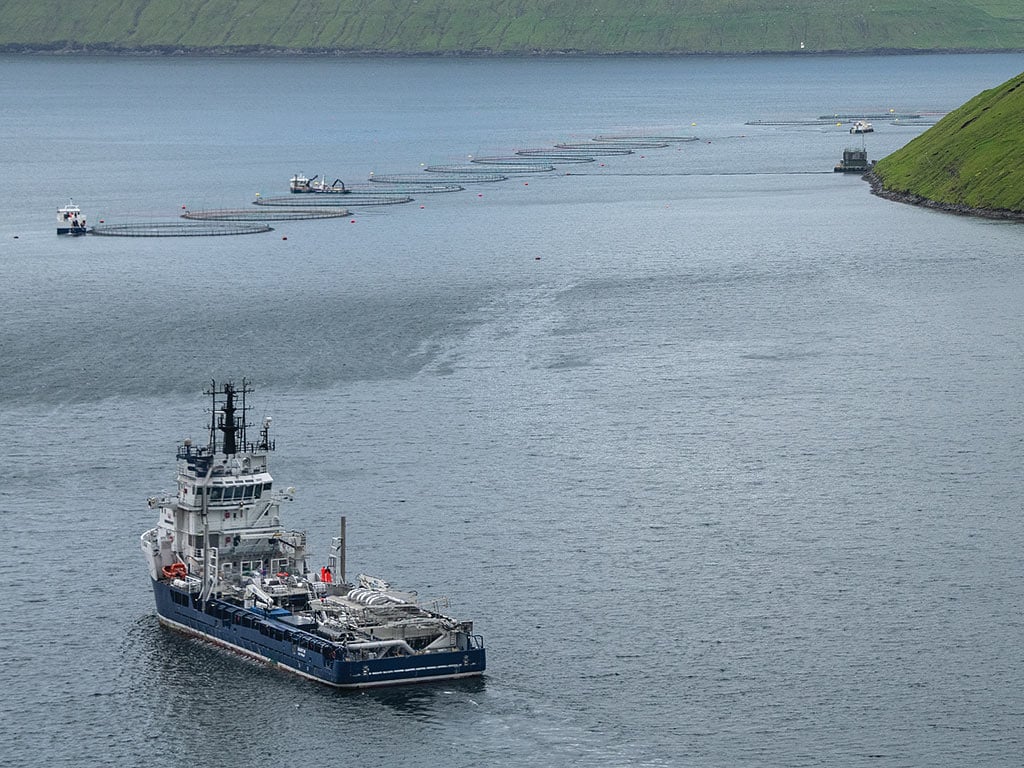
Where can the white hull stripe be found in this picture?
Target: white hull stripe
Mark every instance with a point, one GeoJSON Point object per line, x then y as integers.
{"type": "Point", "coordinates": [271, 662]}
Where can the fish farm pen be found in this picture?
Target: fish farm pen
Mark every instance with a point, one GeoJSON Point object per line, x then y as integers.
{"type": "Point", "coordinates": [523, 166]}
{"type": "Point", "coordinates": [419, 181]}
{"type": "Point", "coordinates": [180, 229]}
{"type": "Point", "coordinates": [592, 150]}
{"type": "Point", "coordinates": [354, 200]}
{"type": "Point", "coordinates": [640, 142]}
{"type": "Point", "coordinates": [524, 163]}
{"type": "Point", "coordinates": [838, 119]}
{"type": "Point", "coordinates": [428, 186]}
{"type": "Point", "coordinates": [872, 116]}
{"type": "Point", "coordinates": [394, 189]}
{"type": "Point", "coordinates": [249, 214]}
{"type": "Point", "coordinates": [572, 154]}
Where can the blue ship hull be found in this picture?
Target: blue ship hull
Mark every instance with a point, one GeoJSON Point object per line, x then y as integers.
{"type": "Point", "coordinates": [261, 635]}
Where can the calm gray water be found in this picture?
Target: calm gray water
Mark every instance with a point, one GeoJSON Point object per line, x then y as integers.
{"type": "Point", "coordinates": [721, 453]}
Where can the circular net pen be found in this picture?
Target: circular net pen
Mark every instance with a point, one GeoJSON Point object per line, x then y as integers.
{"type": "Point", "coordinates": [567, 157]}
{"type": "Point", "coordinates": [353, 200]}
{"type": "Point", "coordinates": [384, 187]}
{"type": "Point", "coordinates": [248, 214]}
{"type": "Point", "coordinates": [780, 121]}
{"type": "Point", "coordinates": [473, 175]}
{"type": "Point", "coordinates": [611, 148]}
{"type": "Point", "coordinates": [567, 154]}
{"type": "Point", "coordinates": [476, 167]}
{"type": "Point", "coordinates": [643, 141]}
{"type": "Point", "coordinates": [506, 165]}
{"type": "Point", "coordinates": [180, 229]}
{"type": "Point", "coordinates": [872, 116]}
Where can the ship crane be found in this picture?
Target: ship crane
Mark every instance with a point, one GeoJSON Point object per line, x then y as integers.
{"type": "Point", "coordinates": [259, 596]}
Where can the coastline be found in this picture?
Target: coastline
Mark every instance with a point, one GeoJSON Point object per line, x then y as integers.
{"type": "Point", "coordinates": [71, 48]}
{"type": "Point", "coordinates": [957, 209]}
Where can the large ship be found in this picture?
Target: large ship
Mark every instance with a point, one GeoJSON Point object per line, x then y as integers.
{"type": "Point", "coordinates": [224, 569]}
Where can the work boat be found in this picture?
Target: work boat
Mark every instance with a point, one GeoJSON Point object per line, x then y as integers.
{"type": "Point", "coordinates": [299, 183]}
{"type": "Point", "coordinates": [70, 220]}
{"type": "Point", "coordinates": [225, 570]}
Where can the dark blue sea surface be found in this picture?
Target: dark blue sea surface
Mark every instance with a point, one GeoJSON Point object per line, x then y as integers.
{"type": "Point", "coordinates": [721, 453]}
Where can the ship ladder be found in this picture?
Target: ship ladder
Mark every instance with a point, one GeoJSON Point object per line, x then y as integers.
{"type": "Point", "coordinates": [311, 592]}
{"type": "Point", "coordinates": [212, 574]}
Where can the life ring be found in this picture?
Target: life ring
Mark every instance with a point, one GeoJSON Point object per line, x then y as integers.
{"type": "Point", "coordinates": [282, 574]}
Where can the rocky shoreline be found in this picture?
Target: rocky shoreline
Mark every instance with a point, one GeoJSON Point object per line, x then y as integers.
{"type": "Point", "coordinates": [958, 209]}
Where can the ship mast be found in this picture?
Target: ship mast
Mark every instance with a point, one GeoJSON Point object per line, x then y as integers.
{"type": "Point", "coordinates": [223, 417]}
{"type": "Point", "coordinates": [232, 427]}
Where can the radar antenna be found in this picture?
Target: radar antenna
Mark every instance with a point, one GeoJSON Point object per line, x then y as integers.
{"type": "Point", "coordinates": [227, 417]}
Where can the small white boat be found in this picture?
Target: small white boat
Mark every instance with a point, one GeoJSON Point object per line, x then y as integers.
{"type": "Point", "coordinates": [70, 220]}
{"type": "Point", "coordinates": [862, 126]}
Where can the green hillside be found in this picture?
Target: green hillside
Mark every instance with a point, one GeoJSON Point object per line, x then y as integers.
{"type": "Point", "coordinates": [971, 158]}
{"type": "Point", "coordinates": [512, 26]}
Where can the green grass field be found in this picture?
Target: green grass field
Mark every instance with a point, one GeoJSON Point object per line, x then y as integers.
{"type": "Point", "coordinates": [971, 157]}
{"type": "Point", "coordinates": [515, 26]}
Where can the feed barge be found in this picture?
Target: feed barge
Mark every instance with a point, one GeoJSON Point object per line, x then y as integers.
{"type": "Point", "coordinates": [855, 160]}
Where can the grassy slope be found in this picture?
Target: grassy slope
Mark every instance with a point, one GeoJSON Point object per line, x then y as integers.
{"type": "Point", "coordinates": [971, 157]}
{"type": "Point", "coordinates": [519, 26]}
